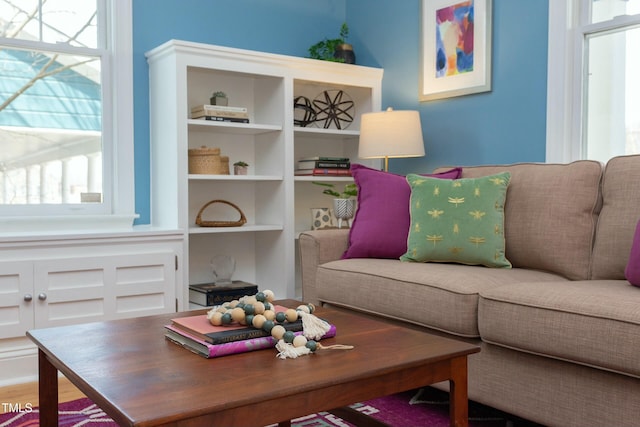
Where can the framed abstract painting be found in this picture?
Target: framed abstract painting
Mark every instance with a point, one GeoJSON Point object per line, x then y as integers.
{"type": "Point", "coordinates": [455, 48]}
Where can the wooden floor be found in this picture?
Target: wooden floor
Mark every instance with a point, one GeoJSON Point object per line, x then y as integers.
{"type": "Point", "coordinates": [28, 393]}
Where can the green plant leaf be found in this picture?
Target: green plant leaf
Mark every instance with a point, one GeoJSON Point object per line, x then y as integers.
{"type": "Point", "coordinates": [326, 48]}
{"type": "Point", "coordinates": [350, 190]}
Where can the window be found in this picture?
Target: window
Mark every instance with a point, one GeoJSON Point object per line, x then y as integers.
{"type": "Point", "coordinates": [593, 64]}
{"type": "Point", "coordinates": [65, 82]}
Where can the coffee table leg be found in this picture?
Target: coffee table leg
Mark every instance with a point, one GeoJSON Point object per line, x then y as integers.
{"type": "Point", "coordinates": [458, 398]}
{"type": "Point", "coordinates": [48, 391]}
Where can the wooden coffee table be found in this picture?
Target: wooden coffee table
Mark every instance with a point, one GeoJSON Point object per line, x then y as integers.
{"type": "Point", "coordinates": [139, 378]}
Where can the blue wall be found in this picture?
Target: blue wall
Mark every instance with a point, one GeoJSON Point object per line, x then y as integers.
{"type": "Point", "coordinates": [286, 27]}
{"type": "Point", "coordinates": [504, 126]}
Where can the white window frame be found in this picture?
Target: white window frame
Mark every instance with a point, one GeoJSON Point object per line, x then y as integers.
{"type": "Point", "coordinates": [559, 87]}
{"type": "Point", "coordinates": [565, 77]}
{"type": "Point", "coordinates": [117, 136]}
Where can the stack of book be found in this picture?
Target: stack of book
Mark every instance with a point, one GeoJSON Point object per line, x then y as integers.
{"type": "Point", "coordinates": [324, 166]}
{"type": "Point", "coordinates": [221, 113]}
{"type": "Point", "coordinates": [197, 334]}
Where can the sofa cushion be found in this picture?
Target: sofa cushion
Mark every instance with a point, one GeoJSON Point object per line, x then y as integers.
{"type": "Point", "coordinates": [458, 221]}
{"type": "Point", "coordinates": [618, 218]}
{"type": "Point", "coordinates": [381, 222]}
{"type": "Point", "coordinates": [550, 214]}
{"type": "Point", "coordinates": [439, 296]}
{"type": "Point", "coordinates": [593, 322]}
{"type": "Point", "coordinates": [632, 272]}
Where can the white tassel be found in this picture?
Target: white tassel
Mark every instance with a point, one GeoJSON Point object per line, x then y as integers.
{"type": "Point", "coordinates": [288, 351]}
{"type": "Point", "coordinates": [335, 347]}
{"type": "Point", "coordinates": [313, 327]}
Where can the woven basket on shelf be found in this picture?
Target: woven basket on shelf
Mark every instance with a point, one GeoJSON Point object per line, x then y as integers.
{"type": "Point", "coordinates": [201, 223]}
{"type": "Point", "coordinates": [206, 160]}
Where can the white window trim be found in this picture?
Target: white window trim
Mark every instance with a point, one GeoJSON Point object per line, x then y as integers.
{"type": "Point", "coordinates": [122, 212]}
{"type": "Point", "coordinates": [123, 185]}
{"type": "Point", "coordinates": [562, 143]}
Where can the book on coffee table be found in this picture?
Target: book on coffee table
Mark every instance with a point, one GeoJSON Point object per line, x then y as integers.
{"type": "Point", "coordinates": [200, 327]}
{"type": "Point", "coordinates": [205, 349]}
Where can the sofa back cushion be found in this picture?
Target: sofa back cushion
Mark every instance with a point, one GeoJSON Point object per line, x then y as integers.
{"type": "Point", "coordinates": [550, 214]}
{"type": "Point", "coordinates": [618, 218]}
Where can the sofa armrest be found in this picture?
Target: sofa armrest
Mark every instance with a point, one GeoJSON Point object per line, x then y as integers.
{"type": "Point", "coordinates": [316, 248]}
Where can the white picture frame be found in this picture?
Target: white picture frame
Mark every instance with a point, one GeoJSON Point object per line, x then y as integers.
{"type": "Point", "coordinates": [455, 60]}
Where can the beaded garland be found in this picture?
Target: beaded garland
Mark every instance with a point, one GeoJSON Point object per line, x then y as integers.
{"type": "Point", "coordinates": [259, 312]}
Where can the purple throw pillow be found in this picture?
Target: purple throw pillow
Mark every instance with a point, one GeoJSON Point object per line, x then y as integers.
{"type": "Point", "coordinates": [381, 223]}
{"type": "Point", "coordinates": [632, 272]}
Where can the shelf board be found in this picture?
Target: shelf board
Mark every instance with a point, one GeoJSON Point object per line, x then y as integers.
{"type": "Point", "coordinates": [230, 127]}
{"type": "Point", "coordinates": [344, 133]}
{"type": "Point", "coordinates": [306, 178]}
{"type": "Point", "coordinates": [250, 178]}
{"type": "Point", "coordinates": [247, 228]}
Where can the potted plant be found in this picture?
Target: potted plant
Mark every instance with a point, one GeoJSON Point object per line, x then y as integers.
{"type": "Point", "coordinates": [343, 204]}
{"type": "Point", "coordinates": [219, 98]}
{"type": "Point", "coordinates": [337, 50]}
{"type": "Point", "coordinates": [344, 50]}
{"type": "Point", "coordinates": [240, 168]}
{"type": "Point", "coordinates": [350, 190]}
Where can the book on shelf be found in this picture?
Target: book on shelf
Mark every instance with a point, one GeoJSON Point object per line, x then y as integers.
{"type": "Point", "coordinates": [224, 119]}
{"type": "Point", "coordinates": [200, 327]}
{"type": "Point", "coordinates": [322, 172]}
{"type": "Point", "coordinates": [208, 350]}
{"type": "Point", "coordinates": [323, 164]}
{"type": "Point", "coordinates": [210, 294]}
{"type": "Point", "coordinates": [230, 114]}
{"type": "Point", "coordinates": [217, 108]}
{"type": "Point", "coordinates": [324, 158]}
{"type": "Point", "coordinates": [331, 172]}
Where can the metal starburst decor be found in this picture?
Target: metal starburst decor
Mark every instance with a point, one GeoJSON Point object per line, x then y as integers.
{"type": "Point", "coordinates": [334, 108]}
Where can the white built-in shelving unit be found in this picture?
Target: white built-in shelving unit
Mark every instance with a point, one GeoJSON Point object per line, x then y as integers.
{"type": "Point", "coordinates": [276, 202]}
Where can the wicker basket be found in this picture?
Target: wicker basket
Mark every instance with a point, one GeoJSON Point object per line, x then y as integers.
{"type": "Point", "coordinates": [202, 223]}
{"type": "Point", "coordinates": [206, 160]}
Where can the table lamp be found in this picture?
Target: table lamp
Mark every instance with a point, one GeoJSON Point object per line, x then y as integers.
{"type": "Point", "coordinates": [390, 134]}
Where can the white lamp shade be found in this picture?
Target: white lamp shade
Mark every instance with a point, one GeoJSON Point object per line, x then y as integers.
{"type": "Point", "coordinates": [390, 134]}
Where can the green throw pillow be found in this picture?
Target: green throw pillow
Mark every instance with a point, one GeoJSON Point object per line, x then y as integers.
{"type": "Point", "coordinates": [458, 220]}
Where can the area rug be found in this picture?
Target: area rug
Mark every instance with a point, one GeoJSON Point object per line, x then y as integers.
{"type": "Point", "coordinates": [426, 407]}
{"type": "Point", "coordinates": [81, 412]}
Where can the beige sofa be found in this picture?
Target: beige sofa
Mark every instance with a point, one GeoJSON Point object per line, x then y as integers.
{"type": "Point", "coordinates": [560, 331]}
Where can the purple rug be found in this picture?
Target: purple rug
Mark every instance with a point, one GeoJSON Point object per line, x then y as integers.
{"type": "Point", "coordinates": [427, 407]}
{"type": "Point", "coordinates": [81, 412]}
